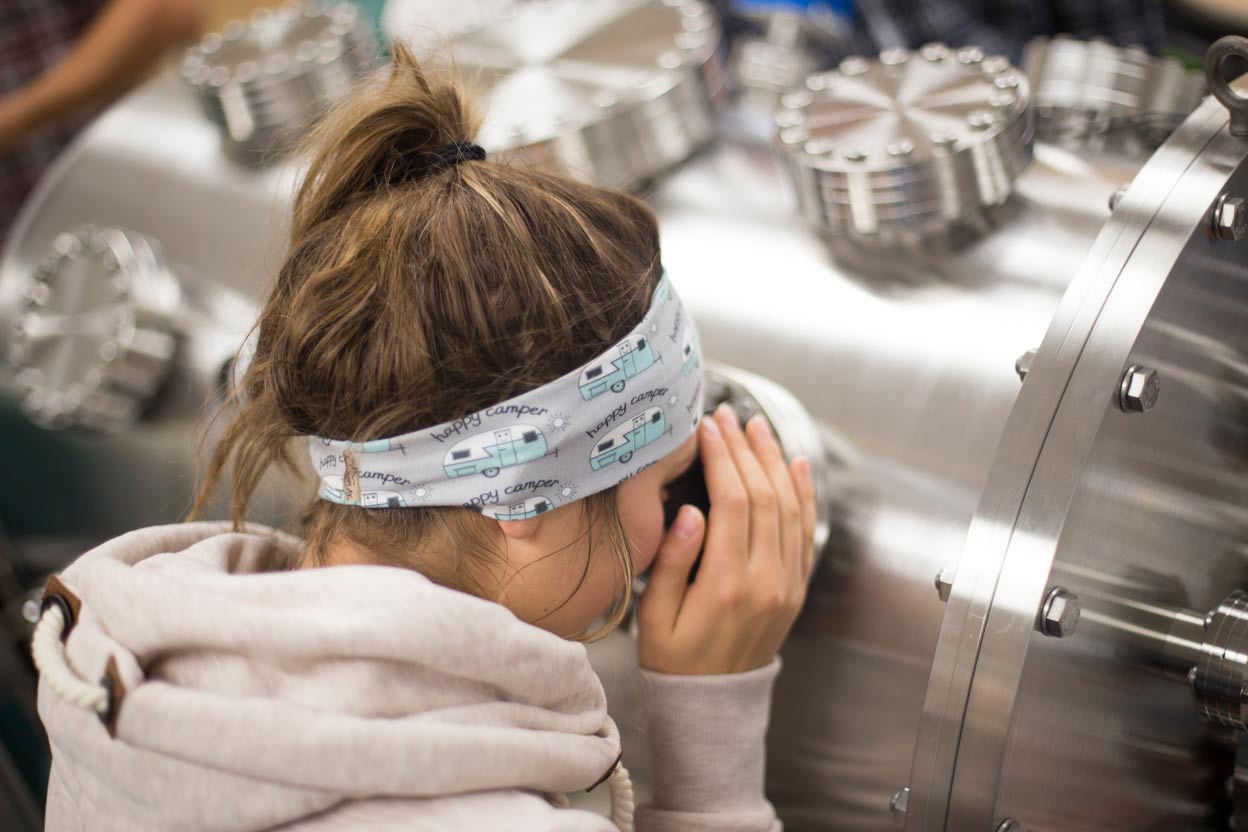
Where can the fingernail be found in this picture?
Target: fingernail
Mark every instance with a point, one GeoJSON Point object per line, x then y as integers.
{"type": "Point", "coordinates": [764, 426]}
{"type": "Point", "coordinates": [710, 428]}
{"type": "Point", "coordinates": [803, 465]}
{"type": "Point", "coordinates": [725, 409]}
{"type": "Point", "coordinates": [685, 524]}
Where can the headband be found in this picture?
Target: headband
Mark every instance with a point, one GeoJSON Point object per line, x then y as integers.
{"type": "Point", "coordinates": [577, 435]}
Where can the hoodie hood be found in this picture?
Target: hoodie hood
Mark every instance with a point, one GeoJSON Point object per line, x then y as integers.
{"type": "Point", "coordinates": [251, 695]}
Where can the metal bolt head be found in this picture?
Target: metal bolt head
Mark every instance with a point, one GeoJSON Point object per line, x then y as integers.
{"type": "Point", "coordinates": [1140, 389]}
{"type": "Point", "coordinates": [898, 806]}
{"type": "Point", "coordinates": [1010, 825]}
{"type": "Point", "coordinates": [1022, 365]}
{"type": "Point", "coordinates": [1116, 197]}
{"type": "Point", "coordinates": [1230, 218]}
{"type": "Point", "coordinates": [1060, 614]}
{"type": "Point", "coordinates": [944, 581]}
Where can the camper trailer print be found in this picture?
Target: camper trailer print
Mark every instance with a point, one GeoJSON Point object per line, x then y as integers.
{"type": "Point", "coordinates": [689, 350]}
{"type": "Point", "coordinates": [490, 452]}
{"type": "Point", "coordinates": [521, 511]}
{"type": "Point", "coordinates": [620, 444]}
{"type": "Point", "coordinates": [331, 489]}
{"type": "Point", "coordinates": [630, 357]}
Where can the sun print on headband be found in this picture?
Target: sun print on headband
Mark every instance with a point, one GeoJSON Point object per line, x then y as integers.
{"type": "Point", "coordinates": [559, 422]}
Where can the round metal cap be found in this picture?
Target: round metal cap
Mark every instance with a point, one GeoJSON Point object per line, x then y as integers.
{"type": "Point", "coordinates": [264, 80]}
{"type": "Point", "coordinates": [95, 337]}
{"type": "Point", "coordinates": [613, 92]}
{"type": "Point", "coordinates": [908, 145]}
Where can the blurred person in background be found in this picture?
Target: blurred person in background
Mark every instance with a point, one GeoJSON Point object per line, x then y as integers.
{"type": "Point", "coordinates": [60, 62]}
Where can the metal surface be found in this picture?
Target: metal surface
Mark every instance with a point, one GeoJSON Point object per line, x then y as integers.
{"type": "Point", "coordinates": [907, 146]}
{"type": "Point", "coordinates": [1222, 674]}
{"type": "Point", "coordinates": [263, 80]}
{"type": "Point", "coordinates": [95, 336]}
{"type": "Point", "coordinates": [614, 91]}
{"type": "Point", "coordinates": [1091, 92]}
{"type": "Point", "coordinates": [1089, 733]}
{"type": "Point", "coordinates": [903, 357]}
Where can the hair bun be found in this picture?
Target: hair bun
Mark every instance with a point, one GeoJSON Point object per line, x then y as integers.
{"type": "Point", "coordinates": [413, 159]}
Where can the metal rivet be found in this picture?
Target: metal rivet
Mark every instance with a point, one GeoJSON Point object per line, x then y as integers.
{"type": "Point", "coordinates": [856, 154]}
{"type": "Point", "coordinates": [944, 581]}
{"type": "Point", "coordinates": [971, 55]}
{"type": "Point", "coordinates": [1022, 364]}
{"type": "Point", "coordinates": [1139, 390]}
{"type": "Point", "coordinates": [897, 805]}
{"type": "Point", "coordinates": [981, 120]}
{"type": "Point", "coordinates": [934, 52]}
{"type": "Point", "coordinates": [796, 100]}
{"type": "Point", "coordinates": [1007, 82]}
{"type": "Point", "coordinates": [995, 63]}
{"type": "Point", "coordinates": [941, 138]}
{"type": "Point", "coordinates": [1010, 825]}
{"type": "Point", "coordinates": [794, 135]}
{"type": "Point", "coordinates": [822, 81]}
{"type": "Point", "coordinates": [819, 147]}
{"type": "Point", "coordinates": [854, 65]}
{"type": "Point", "coordinates": [788, 118]}
{"type": "Point", "coordinates": [1060, 614]}
{"type": "Point", "coordinates": [670, 60]}
{"type": "Point", "coordinates": [900, 149]}
{"type": "Point", "coordinates": [1230, 218]}
{"type": "Point", "coordinates": [1002, 99]}
{"type": "Point", "coordinates": [894, 57]}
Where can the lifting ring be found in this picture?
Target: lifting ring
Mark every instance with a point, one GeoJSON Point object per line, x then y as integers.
{"type": "Point", "coordinates": [1227, 47]}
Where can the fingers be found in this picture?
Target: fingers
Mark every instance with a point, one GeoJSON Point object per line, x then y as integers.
{"type": "Point", "coordinates": [727, 535]}
{"type": "Point", "coordinates": [669, 576]}
{"type": "Point", "coordinates": [804, 485]}
{"type": "Point", "coordinates": [770, 457]}
{"type": "Point", "coordinates": [764, 526]}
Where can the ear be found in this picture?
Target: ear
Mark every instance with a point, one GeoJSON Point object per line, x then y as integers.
{"type": "Point", "coordinates": [520, 529]}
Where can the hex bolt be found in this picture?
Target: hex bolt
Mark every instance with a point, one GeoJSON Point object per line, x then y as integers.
{"type": "Point", "coordinates": [1022, 365]}
{"type": "Point", "coordinates": [1060, 613]}
{"type": "Point", "coordinates": [944, 581]}
{"type": "Point", "coordinates": [1139, 390]}
{"type": "Point", "coordinates": [1230, 218]}
{"type": "Point", "coordinates": [1116, 197]}
{"type": "Point", "coordinates": [898, 805]}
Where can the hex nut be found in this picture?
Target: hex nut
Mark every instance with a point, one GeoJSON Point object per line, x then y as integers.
{"type": "Point", "coordinates": [898, 805]}
{"type": "Point", "coordinates": [1022, 365]}
{"type": "Point", "coordinates": [944, 581]}
{"type": "Point", "coordinates": [1230, 218]}
{"type": "Point", "coordinates": [1060, 614]}
{"type": "Point", "coordinates": [1139, 390]}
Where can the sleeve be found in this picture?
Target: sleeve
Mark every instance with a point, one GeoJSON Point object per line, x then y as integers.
{"type": "Point", "coordinates": [707, 737]}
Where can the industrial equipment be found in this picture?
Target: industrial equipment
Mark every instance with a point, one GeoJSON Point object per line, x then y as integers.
{"type": "Point", "coordinates": [1027, 600]}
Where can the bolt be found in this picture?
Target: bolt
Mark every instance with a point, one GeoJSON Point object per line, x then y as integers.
{"type": "Point", "coordinates": [980, 119]}
{"type": "Point", "coordinates": [1230, 218]}
{"type": "Point", "coordinates": [1191, 677]}
{"type": "Point", "coordinates": [1022, 365]}
{"type": "Point", "coordinates": [1139, 390]}
{"type": "Point", "coordinates": [1116, 197]}
{"type": "Point", "coordinates": [898, 805]}
{"type": "Point", "coordinates": [944, 581]}
{"type": "Point", "coordinates": [900, 149]}
{"type": "Point", "coordinates": [1061, 613]}
{"type": "Point", "coordinates": [1010, 825]}
{"type": "Point", "coordinates": [854, 65]}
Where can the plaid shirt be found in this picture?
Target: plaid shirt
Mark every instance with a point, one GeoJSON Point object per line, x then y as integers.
{"type": "Point", "coordinates": [1003, 26]}
{"type": "Point", "coordinates": [34, 35]}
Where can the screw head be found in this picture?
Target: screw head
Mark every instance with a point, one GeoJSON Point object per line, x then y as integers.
{"type": "Point", "coordinates": [897, 805]}
{"type": "Point", "coordinates": [1060, 614]}
{"type": "Point", "coordinates": [1022, 365]}
{"type": "Point", "coordinates": [1140, 389]}
{"type": "Point", "coordinates": [1230, 218]}
{"type": "Point", "coordinates": [1010, 825]}
{"type": "Point", "coordinates": [1116, 197]}
{"type": "Point", "coordinates": [944, 581]}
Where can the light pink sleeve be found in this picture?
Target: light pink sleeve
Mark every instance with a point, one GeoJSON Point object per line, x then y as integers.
{"type": "Point", "coordinates": [707, 737]}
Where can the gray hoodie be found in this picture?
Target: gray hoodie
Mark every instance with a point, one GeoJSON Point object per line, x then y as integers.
{"type": "Point", "coordinates": [249, 696]}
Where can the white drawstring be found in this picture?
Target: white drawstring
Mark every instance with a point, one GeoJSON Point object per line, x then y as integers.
{"type": "Point", "coordinates": [622, 799]}
{"type": "Point", "coordinates": [49, 654]}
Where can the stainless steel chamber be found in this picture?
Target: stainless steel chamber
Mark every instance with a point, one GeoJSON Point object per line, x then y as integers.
{"type": "Point", "coordinates": [1009, 702]}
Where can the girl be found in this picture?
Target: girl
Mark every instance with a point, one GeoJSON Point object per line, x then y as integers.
{"type": "Point", "coordinates": [483, 367]}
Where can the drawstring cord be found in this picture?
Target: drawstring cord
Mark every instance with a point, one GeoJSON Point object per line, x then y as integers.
{"type": "Point", "coordinates": [622, 799]}
{"type": "Point", "coordinates": [48, 651]}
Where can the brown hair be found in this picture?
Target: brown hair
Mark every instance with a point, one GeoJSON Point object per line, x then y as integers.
{"type": "Point", "coordinates": [415, 293]}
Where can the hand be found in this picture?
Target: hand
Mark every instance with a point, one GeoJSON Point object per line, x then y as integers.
{"type": "Point", "coordinates": [757, 559]}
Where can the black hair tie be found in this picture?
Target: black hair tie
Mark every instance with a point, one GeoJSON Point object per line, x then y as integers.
{"type": "Point", "coordinates": [410, 161]}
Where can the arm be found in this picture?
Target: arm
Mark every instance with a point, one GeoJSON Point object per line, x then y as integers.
{"type": "Point", "coordinates": [117, 49]}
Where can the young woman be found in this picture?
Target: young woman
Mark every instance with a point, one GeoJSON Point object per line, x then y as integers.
{"type": "Point", "coordinates": [483, 366]}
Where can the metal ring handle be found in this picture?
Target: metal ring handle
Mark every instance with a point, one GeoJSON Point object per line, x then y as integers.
{"type": "Point", "coordinates": [1224, 48]}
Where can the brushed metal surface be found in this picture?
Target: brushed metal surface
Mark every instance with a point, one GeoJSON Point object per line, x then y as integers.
{"type": "Point", "coordinates": [1146, 508]}
{"type": "Point", "coordinates": [907, 359]}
